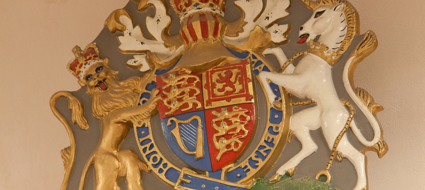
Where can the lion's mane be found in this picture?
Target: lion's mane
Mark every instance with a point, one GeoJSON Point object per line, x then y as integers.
{"type": "Point", "coordinates": [119, 95]}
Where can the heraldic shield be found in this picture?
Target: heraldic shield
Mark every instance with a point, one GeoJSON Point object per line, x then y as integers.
{"type": "Point", "coordinates": [218, 101]}
{"type": "Point", "coordinates": [208, 118]}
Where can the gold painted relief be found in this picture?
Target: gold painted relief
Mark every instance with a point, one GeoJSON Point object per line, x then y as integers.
{"type": "Point", "coordinates": [199, 152]}
{"type": "Point", "coordinates": [222, 87]}
{"type": "Point", "coordinates": [116, 114]}
{"type": "Point", "coordinates": [239, 119]}
{"type": "Point", "coordinates": [180, 90]}
{"type": "Point", "coordinates": [216, 77]}
{"type": "Point", "coordinates": [228, 85]}
{"type": "Point", "coordinates": [68, 153]}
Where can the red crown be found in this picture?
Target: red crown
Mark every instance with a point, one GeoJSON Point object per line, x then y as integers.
{"type": "Point", "coordinates": [83, 59]}
{"type": "Point", "coordinates": [185, 7]}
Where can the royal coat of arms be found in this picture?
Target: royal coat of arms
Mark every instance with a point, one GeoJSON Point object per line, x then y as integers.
{"type": "Point", "coordinates": [211, 100]}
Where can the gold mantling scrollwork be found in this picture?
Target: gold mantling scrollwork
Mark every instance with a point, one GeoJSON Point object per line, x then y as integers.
{"type": "Point", "coordinates": [199, 152]}
{"type": "Point", "coordinates": [113, 23]}
{"type": "Point", "coordinates": [233, 129]}
{"type": "Point", "coordinates": [258, 41]}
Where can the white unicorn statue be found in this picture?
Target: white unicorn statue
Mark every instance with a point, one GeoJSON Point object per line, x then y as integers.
{"type": "Point", "coordinates": [334, 23]}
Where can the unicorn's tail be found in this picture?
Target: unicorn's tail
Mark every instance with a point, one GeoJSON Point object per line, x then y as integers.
{"type": "Point", "coordinates": [362, 98]}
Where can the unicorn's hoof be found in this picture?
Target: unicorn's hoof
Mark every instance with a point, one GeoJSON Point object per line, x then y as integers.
{"type": "Point", "coordinates": [275, 178]}
{"type": "Point", "coordinates": [292, 171]}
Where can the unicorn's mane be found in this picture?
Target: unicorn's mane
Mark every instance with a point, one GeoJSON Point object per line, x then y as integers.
{"type": "Point", "coordinates": [352, 26]}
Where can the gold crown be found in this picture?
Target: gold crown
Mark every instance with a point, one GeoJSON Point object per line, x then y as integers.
{"type": "Point", "coordinates": [185, 7]}
{"type": "Point", "coordinates": [323, 52]}
{"type": "Point", "coordinates": [83, 59]}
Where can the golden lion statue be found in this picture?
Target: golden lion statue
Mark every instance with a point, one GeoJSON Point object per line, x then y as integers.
{"type": "Point", "coordinates": [115, 104]}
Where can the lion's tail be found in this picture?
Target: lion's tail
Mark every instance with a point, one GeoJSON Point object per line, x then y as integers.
{"type": "Point", "coordinates": [362, 98]}
{"type": "Point", "coordinates": [68, 153]}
